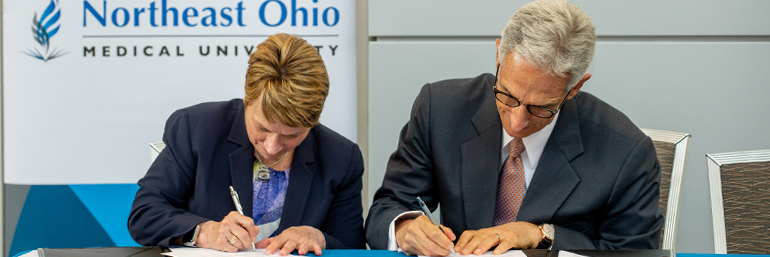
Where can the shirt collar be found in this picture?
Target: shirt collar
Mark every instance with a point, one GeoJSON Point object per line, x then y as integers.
{"type": "Point", "coordinates": [533, 144]}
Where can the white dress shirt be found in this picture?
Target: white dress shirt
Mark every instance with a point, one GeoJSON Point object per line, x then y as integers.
{"type": "Point", "coordinates": [533, 148]}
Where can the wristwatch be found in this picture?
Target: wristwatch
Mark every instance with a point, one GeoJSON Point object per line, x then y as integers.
{"type": "Point", "coordinates": [548, 233]}
{"type": "Point", "coordinates": [189, 238]}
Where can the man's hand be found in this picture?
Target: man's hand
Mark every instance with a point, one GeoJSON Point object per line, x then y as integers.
{"type": "Point", "coordinates": [300, 238]}
{"type": "Point", "coordinates": [420, 237]}
{"type": "Point", "coordinates": [518, 235]}
{"type": "Point", "coordinates": [234, 232]}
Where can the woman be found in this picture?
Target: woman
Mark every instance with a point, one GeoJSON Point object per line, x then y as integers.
{"type": "Point", "coordinates": [299, 182]}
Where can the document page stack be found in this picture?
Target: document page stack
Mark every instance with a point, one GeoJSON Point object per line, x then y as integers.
{"type": "Point", "coordinates": [202, 252]}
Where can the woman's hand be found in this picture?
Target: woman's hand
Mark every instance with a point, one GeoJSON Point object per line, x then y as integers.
{"type": "Point", "coordinates": [300, 238]}
{"type": "Point", "coordinates": [234, 232]}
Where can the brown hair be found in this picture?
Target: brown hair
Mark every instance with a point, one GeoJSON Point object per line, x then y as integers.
{"type": "Point", "coordinates": [289, 76]}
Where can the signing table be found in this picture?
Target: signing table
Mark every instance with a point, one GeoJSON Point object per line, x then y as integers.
{"type": "Point", "coordinates": [145, 251]}
{"type": "Point", "coordinates": [139, 251]}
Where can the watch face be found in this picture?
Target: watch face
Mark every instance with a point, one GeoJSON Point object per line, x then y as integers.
{"type": "Point", "coordinates": [548, 230]}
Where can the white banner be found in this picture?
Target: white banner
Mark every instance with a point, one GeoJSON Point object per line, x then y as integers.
{"type": "Point", "coordinates": [93, 81]}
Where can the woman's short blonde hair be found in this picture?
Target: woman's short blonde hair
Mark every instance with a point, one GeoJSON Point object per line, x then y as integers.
{"type": "Point", "coordinates": [289, 76]}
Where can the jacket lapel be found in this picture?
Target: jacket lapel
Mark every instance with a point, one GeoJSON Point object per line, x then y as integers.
{"type": "Point", "coordinates": [300, 182]}
{"type": "Point", "coordinates": [241, 162]}
{"type": "Point", "coordinates": [554, 178]}
{"type": "Point", "coordinates": [480, 166]}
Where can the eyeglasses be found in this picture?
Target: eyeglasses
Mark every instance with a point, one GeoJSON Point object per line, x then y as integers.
{"type": "Point", "coordinates": [537, 111]}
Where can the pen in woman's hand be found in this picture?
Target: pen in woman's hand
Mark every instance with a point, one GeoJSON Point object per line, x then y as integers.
{"type": "Point", "coordinates": [238, 207]}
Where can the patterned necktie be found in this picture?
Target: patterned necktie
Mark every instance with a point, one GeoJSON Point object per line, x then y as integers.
{"type": "Point", "coordinates": [510, 190]}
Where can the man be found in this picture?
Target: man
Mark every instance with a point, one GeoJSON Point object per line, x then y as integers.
{"type": "Point", "coordinates": [521, 159]}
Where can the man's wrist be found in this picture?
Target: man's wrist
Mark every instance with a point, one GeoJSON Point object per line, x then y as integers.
{"type": "Point", "coordinates": [536, 235]}
{"type": "Point", "coordinates": [402, 223]}
{"type": "Point", "coordinates": [392, 241]}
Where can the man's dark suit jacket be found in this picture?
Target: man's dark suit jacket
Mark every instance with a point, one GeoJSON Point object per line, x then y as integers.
{"type": "Point", "coordinates": [207, 150]}
{"type": "Point", "coordinates": [597, 181]}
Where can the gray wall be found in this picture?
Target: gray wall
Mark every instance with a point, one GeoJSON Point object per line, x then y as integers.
{"type": "Point", "coordinates": [686, 66]}
{"type": "Point", "coordinates": [2, 165]}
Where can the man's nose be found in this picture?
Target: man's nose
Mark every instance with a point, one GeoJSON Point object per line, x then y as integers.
{"type": "Point", "coordinates": [519, 117]}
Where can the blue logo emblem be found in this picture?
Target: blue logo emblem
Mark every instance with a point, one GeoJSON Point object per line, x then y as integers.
{"type": "Point", "coordinates": [43, 30]}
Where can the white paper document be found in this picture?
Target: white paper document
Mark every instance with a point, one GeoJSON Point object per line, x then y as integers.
{"type": "Point", "coordinates": [518, 253]}
{"type": "Point", "coordinates": [510, 253]}
{"type": "Point", "coordinates": [202, 252]}
{"type": "Point", "coordinates": [569, 254]}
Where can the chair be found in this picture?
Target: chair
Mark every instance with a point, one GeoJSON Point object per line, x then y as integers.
{"type": "Point", "coordinates": [671, 148]}
{"type": "Point", "coordinates": [155, 149]}
{"type": "Point", "coordinates": [739, 183]}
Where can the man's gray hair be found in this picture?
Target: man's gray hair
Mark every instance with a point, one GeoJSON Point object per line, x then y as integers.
{"type": "Point", "coordinates": [554, 36]}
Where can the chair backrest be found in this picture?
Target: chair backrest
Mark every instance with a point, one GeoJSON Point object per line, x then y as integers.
{"type": "Point", "coordinates": [671, 148]}
{"type": "Point", "coordinates": [739, 183]}
{"type": "Point", "coordinates": [155, 149]}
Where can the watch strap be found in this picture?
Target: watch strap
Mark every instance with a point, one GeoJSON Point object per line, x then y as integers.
{"type": "Point", "coordinates": [189, 238]}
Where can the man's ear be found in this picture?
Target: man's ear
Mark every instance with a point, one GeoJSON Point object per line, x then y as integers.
{"type": "Point", "coordinates": [579, 85]}
{"type": "Point", "coordinates": [497, 52]}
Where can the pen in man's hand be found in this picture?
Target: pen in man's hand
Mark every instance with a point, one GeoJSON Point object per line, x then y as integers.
{"type": "Point", "coordinates": [432, 219]}
{"type": "Point", "coordinates": [240, 209]}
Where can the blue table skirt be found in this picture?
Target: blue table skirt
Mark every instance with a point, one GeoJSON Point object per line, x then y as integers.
{"type": "Point", "coordinates": [382, 253]}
